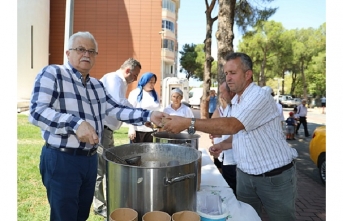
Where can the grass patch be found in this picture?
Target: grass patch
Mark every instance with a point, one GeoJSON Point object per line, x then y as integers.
{"type": "Point", "coordinates": [32, 203]}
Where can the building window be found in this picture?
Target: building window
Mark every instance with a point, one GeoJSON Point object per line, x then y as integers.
{"type": "Point", "coordinates": [168, 25]}
{"type": "Point", "coordinates": [168, 44]}
{"type": "Point", "coordinates": [169, 5]}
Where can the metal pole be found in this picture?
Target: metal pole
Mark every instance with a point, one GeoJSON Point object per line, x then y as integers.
{"type": "Point", "coordinates": [69, 26]}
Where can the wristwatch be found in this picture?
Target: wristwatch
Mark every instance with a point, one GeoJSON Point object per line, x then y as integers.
{"type": "Point", "coordinates": [191, 128]}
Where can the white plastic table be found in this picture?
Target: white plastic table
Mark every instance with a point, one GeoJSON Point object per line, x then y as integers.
{"type": "Point", "coordinates": [213, 182]}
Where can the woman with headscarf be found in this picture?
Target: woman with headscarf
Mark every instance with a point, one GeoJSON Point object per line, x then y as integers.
{"type": "Point", "coordinates": [144, 96]}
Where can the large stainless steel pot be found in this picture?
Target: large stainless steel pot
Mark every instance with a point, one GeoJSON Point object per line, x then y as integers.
{"type": "Point", "coordinates": [148, 188]}
{"type": "Point", "coordinates": [189, 140]}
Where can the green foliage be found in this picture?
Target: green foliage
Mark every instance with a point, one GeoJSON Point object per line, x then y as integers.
{"type": "Point", "coordinates": [249, 14]}
{"type": "Point", "coordinates": [298, 56]}
{"type": "Point", "coordinates": [188, 62]}
{"type": "Point", "coordinates": [32, 203]}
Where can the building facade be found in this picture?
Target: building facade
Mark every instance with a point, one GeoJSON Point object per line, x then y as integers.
{"type": "Point", "coordinates": [122, 28]}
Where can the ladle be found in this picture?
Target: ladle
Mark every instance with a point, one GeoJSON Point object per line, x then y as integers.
{"type": "Point", "coordinates": [136, 160]}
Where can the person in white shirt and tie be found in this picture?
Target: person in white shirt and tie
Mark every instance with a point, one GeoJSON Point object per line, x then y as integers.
{"type": "Point", "coordinates": [116, 85]}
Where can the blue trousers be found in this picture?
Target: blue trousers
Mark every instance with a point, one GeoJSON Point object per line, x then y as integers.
{"type": "Point", "coordinates": [277, 194]}
{"type": "Point", "coordinates": [70, 182]}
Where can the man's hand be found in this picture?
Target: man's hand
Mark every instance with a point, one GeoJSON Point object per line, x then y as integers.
{"type": "Point", "coordinates": [86, 133]}
{"type": "Point", "coordinates": [131, 133]}
{"type": "Point", "coordinates": [176, 124]}
{"type": "Point", "coordinates": [216, 149]}
{"type": "Point", "coordinates": [148, 124]}
{"type": "Point", "coordinates": [158, 118]}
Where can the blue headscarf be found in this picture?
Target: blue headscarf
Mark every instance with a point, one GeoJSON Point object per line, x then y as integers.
{"type": "Point", "coordinates": [142, 82]}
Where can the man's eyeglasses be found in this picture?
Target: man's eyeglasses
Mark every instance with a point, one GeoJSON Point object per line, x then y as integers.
{"type": "Point", "coordinates": [83, 51]}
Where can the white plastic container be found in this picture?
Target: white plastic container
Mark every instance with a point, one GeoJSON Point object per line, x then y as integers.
{"type": "Point", "coordinates": [208, 217]}
{"type": "Point", "coordinates": [211, 208]}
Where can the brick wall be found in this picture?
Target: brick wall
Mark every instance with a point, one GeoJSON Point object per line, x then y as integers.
{"type": "Point", "coordinates": [122, 28]}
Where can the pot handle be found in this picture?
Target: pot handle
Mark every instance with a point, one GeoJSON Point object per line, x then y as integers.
{"type": "Point", "coordinates": [169, 181]}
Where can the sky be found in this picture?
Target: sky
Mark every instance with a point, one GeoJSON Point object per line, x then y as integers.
{"type": "Point", "coordinates": [291, 13]}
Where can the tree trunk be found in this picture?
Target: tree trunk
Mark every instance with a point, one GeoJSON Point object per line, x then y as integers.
{"type": "Point", "coordinates": [262, 81]}
{"type": "Point", "coordinates": [283, 82]}
{"type": "Point", "coordinates": [304, 79]}
{"type": "Point", "coordinates": [225, 33]}
{"type": "Point", "coordinates": [208, 60]}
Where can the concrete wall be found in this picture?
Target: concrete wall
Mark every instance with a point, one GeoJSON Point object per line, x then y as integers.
{"type": "Point", "coordinates": [35, 14]}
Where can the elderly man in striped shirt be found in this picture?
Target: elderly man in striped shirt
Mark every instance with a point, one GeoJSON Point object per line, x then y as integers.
{"type": "Point", "coordinates": [69, 106]}
{"type": "Point", "coordinates": [266, 173]}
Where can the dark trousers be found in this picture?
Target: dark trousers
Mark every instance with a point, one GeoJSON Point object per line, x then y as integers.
{"type": "Point", "coordinates": [302, 120]}
{"type": "Point", "coordinates": [229, 174]}
{"type": "Point", "coordinates": [217, 163]}
{"type": "Point", "coordinates": [70, 182]}
{"type": "Point", "coordinates": [143, 137]}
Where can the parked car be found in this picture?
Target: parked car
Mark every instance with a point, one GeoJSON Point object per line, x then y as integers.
{"type": "Point", "coordinates": [294, 102]}
{"type": "Point", "coordinates": [297, 101]}
{"type": "Point", "coordinates": [195, 95]}
{"type": "Point", "coordinates": [317, 150]}
{"type": "Point", "coordinates": [283, 99]}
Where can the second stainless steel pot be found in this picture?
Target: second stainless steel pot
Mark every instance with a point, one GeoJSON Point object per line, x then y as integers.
{"type": "Point", "coordinates": [189, 140]}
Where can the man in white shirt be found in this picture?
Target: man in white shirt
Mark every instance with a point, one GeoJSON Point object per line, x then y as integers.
{"type": "Point", "coordinates": [266, 172]}
{"type": "Point", "coordinates": [278, 105]}
{"type": "Point", "coordinates": [116, 85]}
{"type": "Point", "coordinates": [301, 115]}
{"type": "Point", "coordinates": [228, 167]}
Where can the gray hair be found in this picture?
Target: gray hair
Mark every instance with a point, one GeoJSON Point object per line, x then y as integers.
{"type": "Point", "coordinates": [131, 63]}
{"type": "Point", "coordinates": [245, 59]}
{"type": "Point", "coordinates": [81, 34]}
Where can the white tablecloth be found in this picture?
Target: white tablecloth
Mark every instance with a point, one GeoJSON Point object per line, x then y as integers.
{"type": "Point", "coordinates": [213, 182]}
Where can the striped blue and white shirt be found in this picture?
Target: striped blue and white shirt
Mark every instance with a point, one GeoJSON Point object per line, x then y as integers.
{"type": "Point", "coordinates": [261, 147]}
{"type": "Point", "coordinates": [60, 103]}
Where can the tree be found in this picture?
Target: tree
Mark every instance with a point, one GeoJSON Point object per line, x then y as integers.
{"type": "Point", "coordinates": [262, 44]}
{"type": "Point", "coordinates": [299, 55]}
{"type": "Point", "coordinates": [188, 60]}
{"type": "Point", "coordinates": [305, 47]}
{"type": "Point", "coordinates": [245, 14]}
{"type": "Point", "coordinates": [224, 34]}
{"type": "Point", "coordinates": [208, 58]}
